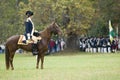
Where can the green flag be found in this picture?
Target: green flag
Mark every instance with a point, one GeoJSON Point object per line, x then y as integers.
{"type": "Point", "coordinates": [111, 32]}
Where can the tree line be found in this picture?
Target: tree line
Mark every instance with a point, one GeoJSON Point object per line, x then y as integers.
{"type": "Point", "coordinates": [75, 17]}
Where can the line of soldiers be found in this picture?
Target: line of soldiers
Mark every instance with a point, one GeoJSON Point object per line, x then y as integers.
{"type": "Point", "coordinates": [101, 45]}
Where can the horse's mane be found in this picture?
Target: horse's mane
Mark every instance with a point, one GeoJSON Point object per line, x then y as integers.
{"type": "Point", "coordinates": [46, 31]}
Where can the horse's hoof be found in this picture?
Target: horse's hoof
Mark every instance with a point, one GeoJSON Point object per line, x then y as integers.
{"type": "Point", "coordinates": [12, 69]}
{"type": "Point", "coordinates": [7, 68]}
{"type": "Point", "coordinates": [37, 67]}
{"type": "Point", "coordinates": [41, 67]}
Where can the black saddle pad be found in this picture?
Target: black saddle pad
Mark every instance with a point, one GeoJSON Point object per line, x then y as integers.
{"type": "Point", "coordinates": [36, 34]}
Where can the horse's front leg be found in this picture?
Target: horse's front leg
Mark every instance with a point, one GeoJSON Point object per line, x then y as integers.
{"type": "Point", "coordinates": [42, 61]}
{"type": "Point", "coordinates": [38, 60]}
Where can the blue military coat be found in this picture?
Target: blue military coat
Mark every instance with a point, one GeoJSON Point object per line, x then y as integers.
{"type": "Point", "coordinates": [29, 27]}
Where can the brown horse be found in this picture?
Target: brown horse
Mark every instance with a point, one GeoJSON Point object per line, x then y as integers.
{"type": "Point", "coordinates": [12, 46]}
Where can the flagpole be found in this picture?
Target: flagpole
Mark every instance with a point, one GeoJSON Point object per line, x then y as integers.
{"type": "Point", "coordinates": [117, 32]}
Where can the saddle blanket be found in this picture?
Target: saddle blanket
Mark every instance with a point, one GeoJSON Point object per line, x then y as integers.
{"type": "Point", "coordinates": [22, 38]}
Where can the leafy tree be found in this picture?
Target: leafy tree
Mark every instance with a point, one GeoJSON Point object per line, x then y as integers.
{"type": "Point", "coordinates": [105, 10]}
{"type": "Point", "coordinates": [75, 17]}
{"type": "Point", "coordinates": [8, 19]}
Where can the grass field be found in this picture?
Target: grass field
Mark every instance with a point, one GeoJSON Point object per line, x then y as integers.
{"type": "Point", "coordinates": [80, 66]}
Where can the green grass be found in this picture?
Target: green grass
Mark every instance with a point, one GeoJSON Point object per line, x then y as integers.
{"type": "Point", "coordinates": [64, 67]}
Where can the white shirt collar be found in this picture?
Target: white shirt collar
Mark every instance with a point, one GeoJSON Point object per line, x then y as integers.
{"type": "Point", "coordinates": [28, 19]}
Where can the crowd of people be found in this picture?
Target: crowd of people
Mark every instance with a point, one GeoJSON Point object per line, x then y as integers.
{"type": "Point", "coordinates": [100, 45]}
{"type": "Point", "coordinates": [56, 45]}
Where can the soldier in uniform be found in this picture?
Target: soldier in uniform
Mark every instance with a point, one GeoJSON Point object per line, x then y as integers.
{"type": "Point", "coordinates": [29, 30]}
{"type": "Point", "coordinates": [29, 26]}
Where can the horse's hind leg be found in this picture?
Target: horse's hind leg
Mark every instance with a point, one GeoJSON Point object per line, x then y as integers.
{"type": "Point", "coordinates": [11, 60]}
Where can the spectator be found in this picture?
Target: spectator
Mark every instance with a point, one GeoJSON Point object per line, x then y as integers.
{"type": "Point", "coordinates": [52, 44]}
{"type": "Point", "coordinates": [119, 45]}
{"type": "Point", "coordinates": [58, 45]}
{"type": "Point", "coordinates": [0, 50]}
{"type": "Point", "coordinates": [62, 44]}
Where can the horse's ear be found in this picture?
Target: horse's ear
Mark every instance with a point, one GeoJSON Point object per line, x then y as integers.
{"type": "Point", "coordinates": [53, 22]}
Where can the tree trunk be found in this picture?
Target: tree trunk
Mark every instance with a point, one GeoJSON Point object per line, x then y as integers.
{"type": "Point", "coordinates": [72, 42]}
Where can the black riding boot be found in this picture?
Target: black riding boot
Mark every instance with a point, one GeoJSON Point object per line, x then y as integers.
{"type": "Point", "coordinates": [34, 49]}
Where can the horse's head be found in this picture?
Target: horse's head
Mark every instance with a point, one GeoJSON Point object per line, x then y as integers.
{"type": "Point", "coordinates": [55, 29]}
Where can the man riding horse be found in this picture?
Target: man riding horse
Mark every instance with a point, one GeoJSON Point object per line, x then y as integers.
{"type": "Point", "coordinates": [12, 45]}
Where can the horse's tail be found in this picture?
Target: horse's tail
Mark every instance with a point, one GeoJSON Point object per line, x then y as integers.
{"type": "Point", "coordinates": [7, 55]}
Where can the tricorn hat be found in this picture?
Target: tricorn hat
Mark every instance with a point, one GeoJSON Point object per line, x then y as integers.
{"type": "Point", "coordinates": [29, 13]}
